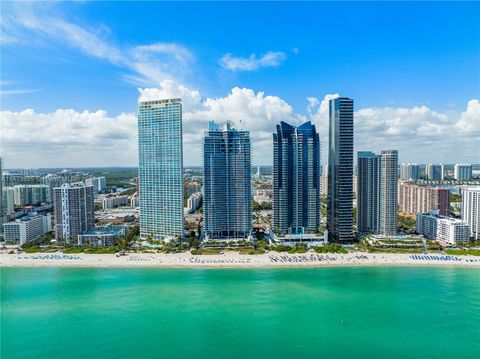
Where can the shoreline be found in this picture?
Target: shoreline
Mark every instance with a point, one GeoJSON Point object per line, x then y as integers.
{"type": "Point", "coordinates": [234, 260]}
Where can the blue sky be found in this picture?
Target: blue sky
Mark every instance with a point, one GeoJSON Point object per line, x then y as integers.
{"type": "Point", "coordinates": [91, 56]}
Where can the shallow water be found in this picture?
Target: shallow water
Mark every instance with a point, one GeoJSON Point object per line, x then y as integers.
{"type": "Point", "coordinates": [341, 312]}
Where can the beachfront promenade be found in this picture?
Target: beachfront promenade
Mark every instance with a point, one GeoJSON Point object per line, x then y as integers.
{"type": "Point", "coordinates": [233, 259]}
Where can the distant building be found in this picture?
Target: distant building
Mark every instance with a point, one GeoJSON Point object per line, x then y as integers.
{"type": "Point", "coordinates": [134, 201]}
{"type": "Point", "coordinates": [296, 179]}
{"type": "Point", "coordinates": [160, 168]}
{"type": "Point", "coordinates": [227, 182]}
{"type": "Point", "coordinates": [446, 229]}
{"type": "Point", "coordinates": [194, 202]}
{"type": "Point", "coordinates": [101, 236]}
{"type": "Point", "coordinates": [114, 202]}
{"type": "Point", "coordinates": [409, 172]}
{"type": "Point", "coordinates": [377, 192]}
{"type": "Point", "coordinates": [27, 228]}
{"type": "Point", "coordinates": [324, 181]}
{"type": "Point", "coordinates": [340, 170]}
{"type": "Point", "coordinates": [191, 188]}
{"type": "Point", "coordinates": [52, 181]}
{"type": "Point", "coordinates": [30, 195]}
{"type": "Point", "coordinates": [8, 200]}
{"type": "Point", "coordinates": [463, 172]}
{"type": "Point", "coordinates": [263, 196]}
{"type": "Point", "coordinates": [471, 210]}
{"type": "Point", "coordinates": [434, 172]}
{"type": "Point", "coordinates": [413, 199]}
{"type": "Point", "coordinates": [74, 211]}
{"type": "Point", "coordinates": [99, 184]}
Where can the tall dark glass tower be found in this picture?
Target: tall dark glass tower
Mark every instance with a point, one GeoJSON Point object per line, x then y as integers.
{"type": "Point", "coordinates": [296, 179]}
{"type": "Point", "coordinates": [368, 192]}
{"type": "Point", "coordinates": [340, 170]}
{"type": "Point", "coordinates": [227, 182]}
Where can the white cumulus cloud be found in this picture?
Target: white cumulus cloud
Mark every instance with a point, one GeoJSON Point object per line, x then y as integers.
{"type": "Point", "coordinates": [67, 137]}
{"type": "Point", "coordinates": [250, 110]}
{"type": "Point", "coordinates": [469, 123]}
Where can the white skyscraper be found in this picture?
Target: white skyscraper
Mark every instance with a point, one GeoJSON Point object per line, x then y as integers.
{"type": "Point", "coordinates": [471, 210]}
{"type": "Point", "coordinates": [33, 194]}
{"type": "Point", "coordinates": [463, 172]}
{"type": "Point", "coordinates": [160, 168]}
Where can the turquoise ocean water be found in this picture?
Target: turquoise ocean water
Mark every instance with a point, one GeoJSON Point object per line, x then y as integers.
{"type": "Point", "coordinates": [357, 312]}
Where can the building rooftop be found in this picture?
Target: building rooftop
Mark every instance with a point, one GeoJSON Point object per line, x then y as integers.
{"type": "Point", "coordinates": [114, 230]}
{"type": "Point", "coordinates": [29, 217]}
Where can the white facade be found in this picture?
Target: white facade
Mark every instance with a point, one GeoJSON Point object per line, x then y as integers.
{"type": "Point", "coordinates": [115, 201]}
{"type": "Point", "coordinates": [452, 230]}
{"type": "Point", "coordinates": [193, 202]}
{"type": "Point", "coordinates": [471, 210]}
{"type": "Point", "coordinates": [27, 228]}
{"type": "Point", "coordinates": [101, 236]}
{"type": "Point", "coordinates": [463, 172]}
{"type": "Point", "coordinates": [135, 201]}
{"type": "Point", "coordinates": [445, 229]}
{"type": "Point", "coordinates": [34, 194]}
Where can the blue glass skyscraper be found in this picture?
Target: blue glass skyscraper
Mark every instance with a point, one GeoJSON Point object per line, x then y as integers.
{"type": "Point", "coordinates": [227, 182]}
{"type": "Point", "coordinates": [160, 168]}
{"type": "Point", "coordinates": [296, 179]}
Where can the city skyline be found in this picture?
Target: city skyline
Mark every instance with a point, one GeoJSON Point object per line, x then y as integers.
{"type": "Point", "coordinates": [196, 179]}
{"type": "Point", "coordinates": [63, 120]}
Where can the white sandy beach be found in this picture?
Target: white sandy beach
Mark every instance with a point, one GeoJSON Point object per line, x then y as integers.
{"type": "Point", "coordinates": [231, 259]}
